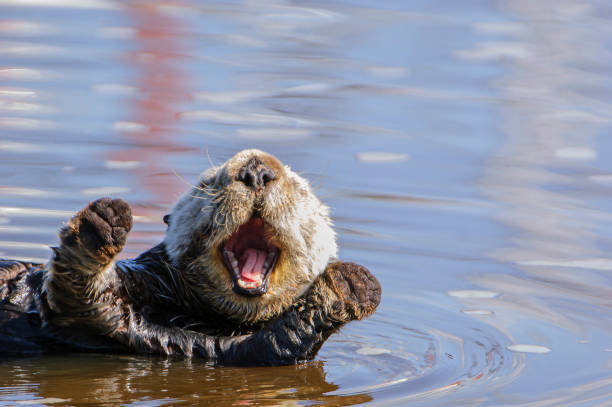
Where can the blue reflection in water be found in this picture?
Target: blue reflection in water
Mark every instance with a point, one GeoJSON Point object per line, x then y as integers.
{"type": "Point", "coordinates": [460, 146]}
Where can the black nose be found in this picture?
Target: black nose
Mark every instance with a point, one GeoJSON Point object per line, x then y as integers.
{"type": "Point", "coordinates": [255, 174]}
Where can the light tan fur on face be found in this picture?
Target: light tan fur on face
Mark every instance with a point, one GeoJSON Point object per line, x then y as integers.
{"type": "Point", "coordinates": [204, 218]}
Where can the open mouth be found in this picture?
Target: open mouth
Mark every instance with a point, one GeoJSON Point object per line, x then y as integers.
{"type": "Point", "coordinates": [250, 257]}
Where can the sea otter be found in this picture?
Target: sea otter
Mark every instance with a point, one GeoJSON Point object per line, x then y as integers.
{"type": "Point", "coordinates": [246, 274]}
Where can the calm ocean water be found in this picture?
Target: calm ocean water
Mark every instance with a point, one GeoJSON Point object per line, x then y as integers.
{"type": "Point", "coordinates": [462, 146]}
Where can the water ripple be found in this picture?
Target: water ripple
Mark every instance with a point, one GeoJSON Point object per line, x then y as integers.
{"type": "Point", "coordinates": [404, 364]}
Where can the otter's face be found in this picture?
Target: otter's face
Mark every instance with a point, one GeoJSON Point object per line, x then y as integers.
{"type": "Point", "coordinates": [250, 238]}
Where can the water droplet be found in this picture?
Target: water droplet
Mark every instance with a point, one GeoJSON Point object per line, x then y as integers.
{"type": "Point", "coordinates": [473, 294]}
{"type": "Point", "coordinates": [122, 165]}
{"type": "Point", "coordinates": [105, 191]}
{"type": "Point", "coordinates": [381, 157]}
{"type": "Point", "coordinates": [576, 153]}
{"type": "Point", "coordinates": [524, 348]}
{"type": "Point", "coordinates": [371, 351]}
{"type": "Point", "coordinates": [477, 312]}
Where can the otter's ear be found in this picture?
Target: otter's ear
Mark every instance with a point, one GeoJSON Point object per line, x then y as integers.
{"type": "Point", "coordinates": [167, 219]}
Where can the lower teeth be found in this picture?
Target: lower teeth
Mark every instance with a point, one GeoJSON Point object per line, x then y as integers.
{"type": "Point", "coordinates": [249, 284]}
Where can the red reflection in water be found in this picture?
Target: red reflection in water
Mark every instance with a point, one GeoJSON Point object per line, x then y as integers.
{"type": "Point", "coordinates": [162, 87]}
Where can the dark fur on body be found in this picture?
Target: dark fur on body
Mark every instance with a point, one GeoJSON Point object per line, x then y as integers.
{"type": "Point", "coordinates": [83, 300]}
{"type": "Point", "coordinates": [142, 316]}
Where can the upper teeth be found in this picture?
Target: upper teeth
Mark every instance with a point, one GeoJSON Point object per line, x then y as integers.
{"type": "Point", "coordinates": [269, 259]}
{"type": "Point", "coordinates": [232, 259]}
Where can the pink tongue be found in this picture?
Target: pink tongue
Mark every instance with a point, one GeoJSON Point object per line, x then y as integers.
{"type": "Point", "coordinates": [252, 268]}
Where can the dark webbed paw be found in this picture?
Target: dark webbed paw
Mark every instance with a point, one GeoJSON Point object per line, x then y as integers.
{"type": "Point", "coordinates": [357, 290]}
{"type": "Point", "coordinates": [101, 227]}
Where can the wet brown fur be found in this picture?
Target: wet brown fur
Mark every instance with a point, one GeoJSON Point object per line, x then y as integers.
{"type": "Point", "coordinates": [177, 298]}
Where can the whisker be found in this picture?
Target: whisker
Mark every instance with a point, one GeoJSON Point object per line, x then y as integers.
{"type": "Point", "coordinates": [209, 159]}
{"type": "Point", "coordinates": [184, 181]}
{"type": "Point", "coordinates": [319, 180]}
{"type": "Point", "coordinates": [210, 191]}
{"type": "Point", "coordinates": [199, 197]}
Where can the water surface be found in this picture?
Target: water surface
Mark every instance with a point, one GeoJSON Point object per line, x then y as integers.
{"type": "Point", "coordinates": [461, 146]}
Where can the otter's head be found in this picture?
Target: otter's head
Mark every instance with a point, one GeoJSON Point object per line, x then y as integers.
{"type": "Point", "coordinates": [250, 238]}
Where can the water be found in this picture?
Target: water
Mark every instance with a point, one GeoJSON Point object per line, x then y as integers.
{"type": "Point", "coordinates": [461, 145]}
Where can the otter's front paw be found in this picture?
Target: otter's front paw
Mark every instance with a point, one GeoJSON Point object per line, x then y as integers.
{"type": "Point", "coordinates": [101, 227]}
{"type": "Point", "coordinates": [357, 290]}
